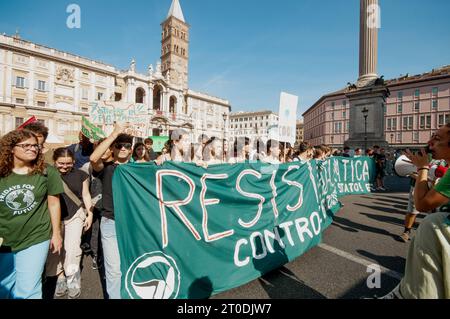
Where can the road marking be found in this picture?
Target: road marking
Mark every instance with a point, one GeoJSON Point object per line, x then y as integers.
{"type": "Point", "coordinates": [388, 272]}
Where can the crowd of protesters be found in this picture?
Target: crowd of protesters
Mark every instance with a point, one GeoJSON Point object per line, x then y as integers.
{"type": "Point", "coordinates": [50, 214]}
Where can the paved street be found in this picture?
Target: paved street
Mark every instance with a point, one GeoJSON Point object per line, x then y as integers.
{"type": "Point", "coordinates": [364, 233]}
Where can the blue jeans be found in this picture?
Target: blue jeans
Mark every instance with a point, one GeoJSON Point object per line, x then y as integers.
{"type": "Point", "coordinates": [21, 272]}
{"type": "Point", "coordinates": [111, 257]}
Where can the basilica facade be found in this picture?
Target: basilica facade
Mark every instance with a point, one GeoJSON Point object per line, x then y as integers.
{"type": "Point", "coordinates": [60, 87]}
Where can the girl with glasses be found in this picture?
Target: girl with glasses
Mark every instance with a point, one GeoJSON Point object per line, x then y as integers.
{"type": "Point", "coordinates": [76, 215]}
{"type": "Point", "coordinates": [30, 215]}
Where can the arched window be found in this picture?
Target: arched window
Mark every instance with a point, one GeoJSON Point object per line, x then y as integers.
{"type": "Point", "coordinates": [157, 98]}
{"type": "Point", "coordinates": [140, 93]}
{"type": "Point", "coordinates": [172, 104]}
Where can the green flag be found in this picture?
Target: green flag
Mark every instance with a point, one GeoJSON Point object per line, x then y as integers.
{"type": "Point", "coordinates": [90, 130]}
{"type": "Point", "coordinates": [187, 232]}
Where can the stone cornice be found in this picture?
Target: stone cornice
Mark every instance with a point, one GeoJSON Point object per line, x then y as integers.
{"type": "Point", "coordinates": [56, 59]}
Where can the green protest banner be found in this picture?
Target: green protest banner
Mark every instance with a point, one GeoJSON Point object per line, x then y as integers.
{"type": "Point", "coordinates": [158, 142]}
{"type": "Point", "coordinates": [90, 130]}
{"type": "Point", "coordinates": [187, 232]}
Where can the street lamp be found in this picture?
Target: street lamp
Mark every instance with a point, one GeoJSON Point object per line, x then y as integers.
{"type": "Point", "coordinates": [224, 115]}
{"type": "Point", "coordinates": [365, 113]}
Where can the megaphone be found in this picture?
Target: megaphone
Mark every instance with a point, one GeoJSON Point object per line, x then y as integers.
{"type": "Point", "coordinates": [404, 167]}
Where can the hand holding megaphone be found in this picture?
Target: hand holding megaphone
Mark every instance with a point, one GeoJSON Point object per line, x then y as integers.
{"type": "Point", "coordinates": [419, 160]}
{"type": "Point", "coordinates": [407, 165]}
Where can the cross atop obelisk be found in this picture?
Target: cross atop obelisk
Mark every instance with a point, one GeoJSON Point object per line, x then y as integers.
{"type": "Point", "coordinates": [368, 42]}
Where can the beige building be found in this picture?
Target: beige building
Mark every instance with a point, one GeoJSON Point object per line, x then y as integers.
{"type": "Point", "coordinates": [59, 87]}
{"type": "Point", "coordinates": [254, 125]}
{"type": "Point", "coordinates": [417, 106]}
{"type": "Point", "coordinates": [299, 132]}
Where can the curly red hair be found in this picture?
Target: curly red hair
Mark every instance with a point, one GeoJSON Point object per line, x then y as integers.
{"type": "Point", "coordinates": [7, 143]}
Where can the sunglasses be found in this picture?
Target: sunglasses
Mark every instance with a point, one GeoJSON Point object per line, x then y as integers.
{"type": "Point", "coordinates": [120, 145]}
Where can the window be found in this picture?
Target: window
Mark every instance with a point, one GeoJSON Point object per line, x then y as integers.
{"type": "Point", "coordinates": [99, 96]}
{"type": "Point", "coordinates": [434, 91]}
{"type": "Point", "coordinates": [332, 115]}
{"type": "Point", "coordinates": [332, 105]}
{"type": "Point", "coordinates": [417, 106]}
{"type": "Point", "coordinates": [84, 93]}
{"type": "Point", "coordinates": [19, 121]}
{"type": "Point", "coordinates": [417, 93]}
{"type": "Point", "coordinates": [405, 123]}
{"type": "Point", "coordinates": [441, 120]}
{"type": "Point", "coordinates": [422, 122]}
{"type": "Point", "coordinates": [344, 103]}
{"type": "Point", "coordinates": [428, 124]}
{"type": "Point", "coordinates": [410, 122]}
{"type": "Point", "coordinates": [20, 82]}
{"type": "Point", "coordinates": [400, 95]}
{"type": "Point", "coordinates": [20, 101]}
{"type": "Point", "coordinates": [40, 103]}
{"type": "Point", "coordinates": [41, 85]}
{"type": "Point", "coordinates": [416, 136]}
{"type": "Point", "coordinates": [399, 108]}
{"type": "Point", "coordinates": [344, 114]}
{"type": "Point", "coordinates": [434, 104]}
{"type": "Point", "coordinates": [84, 109]}
{"type": "Point", "coordinates": [399, 137]}
{"type": "Point", "coordinates": [389, 124]}
{"type": "Point", "coordinates": [394, 124]}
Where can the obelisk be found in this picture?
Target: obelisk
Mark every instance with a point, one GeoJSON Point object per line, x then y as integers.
{"type": "Point", "coordinates": [370, 92]}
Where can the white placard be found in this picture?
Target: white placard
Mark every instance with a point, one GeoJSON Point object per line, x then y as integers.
{"type": "Point", "coordinates": [287, 120]}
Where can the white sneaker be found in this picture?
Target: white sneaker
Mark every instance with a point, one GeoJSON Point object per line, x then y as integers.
{"type": "Point", "coordinates": [61, 287]}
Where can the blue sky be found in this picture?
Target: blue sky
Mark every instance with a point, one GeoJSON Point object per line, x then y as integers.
{"type": "Point", "coordinates": [246, 51]}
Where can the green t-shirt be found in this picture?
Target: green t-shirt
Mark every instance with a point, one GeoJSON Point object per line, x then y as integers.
{"type": "Point", "coordinates": [443, 187]}
{"type": "Point", "coordinates": [24, 215]}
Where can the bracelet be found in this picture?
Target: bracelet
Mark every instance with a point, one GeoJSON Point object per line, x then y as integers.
{"type": "Point", "coordinates": [423, 168]}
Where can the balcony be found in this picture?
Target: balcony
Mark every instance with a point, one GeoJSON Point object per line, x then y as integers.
{"type": "Point", "coordinates": [171, 117]}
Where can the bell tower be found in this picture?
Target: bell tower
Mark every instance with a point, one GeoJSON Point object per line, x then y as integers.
{"type": "Point", "coordinates": [175, 46]}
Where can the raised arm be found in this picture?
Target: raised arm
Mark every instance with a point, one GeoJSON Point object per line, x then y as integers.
{"type": "Point", "coordinates": [96, 157]}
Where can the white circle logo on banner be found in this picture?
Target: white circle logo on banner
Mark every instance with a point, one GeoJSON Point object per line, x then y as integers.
{"type": "Point", "coordinates": [153, 276]}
